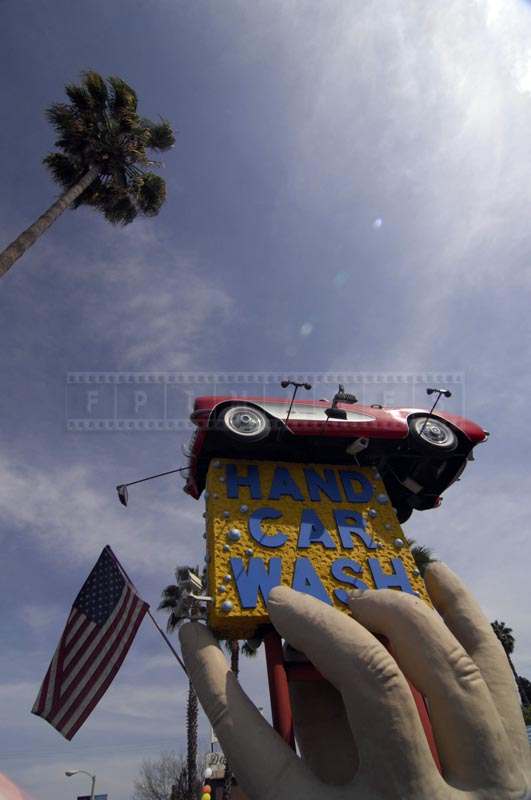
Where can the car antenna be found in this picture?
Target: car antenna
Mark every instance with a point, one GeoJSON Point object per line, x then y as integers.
{"type": "Point", "coordinates": [440, 393]}
{"type": "Point", "coordinates": [123, 495]}
{"type": "Point", "coordinates": [296, 387]}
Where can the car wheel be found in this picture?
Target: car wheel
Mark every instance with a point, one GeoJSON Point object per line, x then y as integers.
{"type": "Point", "coordinates": [432, 435]}
{"type": "Point", "coordinates": [403, 511]}
{"type": "Point", "coordinates": [244, 423]}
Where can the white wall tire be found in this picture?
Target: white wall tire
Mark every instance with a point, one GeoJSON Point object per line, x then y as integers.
{"type": "Point", "coordinates": [432, 435]}
{"type": "Point", "coordinates": [245, 423]}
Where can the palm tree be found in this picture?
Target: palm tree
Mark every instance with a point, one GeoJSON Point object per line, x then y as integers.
{"type": "Point", "coordinates": [103, 160]}
{"type": "Point", "coordinates": [422, 555]}
{"type": "Point", "coordinates": [505, 635]}
{"type": "Point", "coordinates": [170, 603]}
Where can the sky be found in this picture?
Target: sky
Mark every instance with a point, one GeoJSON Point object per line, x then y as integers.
{"type": "Point", "coordinates": [348, 196]}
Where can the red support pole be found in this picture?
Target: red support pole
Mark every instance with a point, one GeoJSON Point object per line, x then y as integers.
{"type": "Point", "coordinates": [280, 672]}
{"type": "Point", "coordinates": [422, 709]}
{"type": "Point", "coordinates": [278, 688]}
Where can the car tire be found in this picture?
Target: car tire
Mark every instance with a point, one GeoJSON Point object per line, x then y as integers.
{"type": "Point", "coordinates": [403, 511]}
{"type": "Point", "coordinates": [243, 423]}
{"type": "Point", "coordinates": [432, 435]}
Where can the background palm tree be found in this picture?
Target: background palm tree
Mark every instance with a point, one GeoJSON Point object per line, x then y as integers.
{"type": "Point", "coordinates": [103, 159]}
{"type": "Point", "coordinates": [423, 556]}
{"type": "Point", "coordinates": [506, 637]}
{"type": "Point", "coordinates": [170, 602]}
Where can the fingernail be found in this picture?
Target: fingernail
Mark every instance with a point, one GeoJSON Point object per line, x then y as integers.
{"type": "Point", "coordinates": [355, 593]}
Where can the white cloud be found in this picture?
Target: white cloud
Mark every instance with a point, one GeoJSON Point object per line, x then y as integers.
{"type": "Point", "coordinates": [481, 533]}
{"type": "Point", "coordinates": [155, 705]}
{"type": "Point", "coordinates": [149, 303]}
{"type": "Point", "coordinates": [69, 520]}
{"type": "Point", "coordinates": [40, 617]}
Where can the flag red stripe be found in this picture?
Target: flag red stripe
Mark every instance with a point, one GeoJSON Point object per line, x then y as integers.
{"type": "Point", "coordinates": [78, 635]}
{"type": "Point", "coordinates": [71, 622]}
{"type": "Point", "coordinates": [48, 685]}
{"type": "Point", "coordinates": [84, 686]}
{"type": "Point", "coordinates": [81, 649]}
{"type": "Point", "coordinates": [39, 702]}
{"type": "Point", "coordinates": [95, 657]}
{"type": "Point", "coordinates": [107, 682]}
{"type": "Point", "coordinates": [58, 672]}
{"type": "Point", "coordinates": [89, 654]}
{"type": "Point", "coordinates": [97, 641]}
{"type": "Point", "coordinates": [78, 689]}
{"type": "Point", "coordinates": [51, 683]}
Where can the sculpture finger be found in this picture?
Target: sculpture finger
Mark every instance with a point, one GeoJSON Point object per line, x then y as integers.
{"type": "Point", "coordinates": [263, 763]}
{"type": "Point", "coordinates": [465, 619]}
{"type": "Point", "coordinates": [472, 744]}
{"type": "Point", "coordinates": [382, 714]}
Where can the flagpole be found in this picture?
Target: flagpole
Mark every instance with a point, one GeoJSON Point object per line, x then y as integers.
{"type": "Point", "coordinates": [174, 651]}
{"type": "Point", "coordinates": [150, 615]}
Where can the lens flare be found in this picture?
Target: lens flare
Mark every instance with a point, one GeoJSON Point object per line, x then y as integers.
{"type": "Point", "coordinates": [10, 791]}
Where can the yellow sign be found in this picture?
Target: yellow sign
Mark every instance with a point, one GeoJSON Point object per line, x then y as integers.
{"type": "Point", "coordinates": [321, 529]}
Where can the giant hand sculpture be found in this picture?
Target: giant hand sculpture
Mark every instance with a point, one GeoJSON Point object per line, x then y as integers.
{"type": "Point", "coordinates": [359, 733]}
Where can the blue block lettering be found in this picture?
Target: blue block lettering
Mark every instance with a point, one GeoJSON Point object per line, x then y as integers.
{"type": "Point", "coordinates": [284, 485]}
{"type": "Point", "coordinates": [338, 571]}
{"type": "Point", "coordinates": [234, 481]}
{"type": "Point", "coordinates": [312, 531]}
{"type": "Point", "coordinates": [255, 528]}
{"type": "Point", "coordinates": [349, 524]}
{"type": "Point", "coordinates": [326, 483]}
{"type": "Point", "coordinates": [256, 579]}
{"type": "Point", "coordinates": [363, 494]}
{"type": "Point", "coordinates": [305, 579]}
{"type": "Point", "coordinates": [397, 579]}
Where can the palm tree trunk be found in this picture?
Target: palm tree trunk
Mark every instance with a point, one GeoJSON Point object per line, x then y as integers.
{"type": "Point", "coordinates": [191, 731]}
{"type": "Point", "coordinates": [18, 247]}
{"type": "Point", "coordinates": [235, 667]}
{"type": "Point", "coordinates": [235, 657]}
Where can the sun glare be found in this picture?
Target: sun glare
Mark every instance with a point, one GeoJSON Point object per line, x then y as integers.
{"type": "Point", "coordinates": [10, 791]}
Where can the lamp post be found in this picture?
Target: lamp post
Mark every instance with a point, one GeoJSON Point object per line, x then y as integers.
{"type": "Point", "coordinates": [69, 774]}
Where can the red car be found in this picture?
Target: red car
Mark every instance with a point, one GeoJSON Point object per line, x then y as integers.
{"type": "Point", "coordinates": [417, 452]}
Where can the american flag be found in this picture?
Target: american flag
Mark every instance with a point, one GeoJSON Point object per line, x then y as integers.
{"type": "Point", "coordinates": [98, 634]}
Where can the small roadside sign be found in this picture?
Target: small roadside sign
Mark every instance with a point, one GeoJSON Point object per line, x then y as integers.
{"type": "Point", "coordinates": [96, 797]}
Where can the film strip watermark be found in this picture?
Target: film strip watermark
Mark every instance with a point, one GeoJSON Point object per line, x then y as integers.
{"type": "Point", "coordinates": [163, 401]}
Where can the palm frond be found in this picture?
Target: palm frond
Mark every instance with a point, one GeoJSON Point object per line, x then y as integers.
{"type": "Point", "coordinates": [505, 635]}
{"type": "Point", "coordinates": [422, 555]}
{"type": "Point", "coordinates": [161, 136]}
{"type": "Point", "coordinates": [151, 194]}
{"type": "Point", "coordinates": [64, 170]}
{"type": "Point", "coordinates": [96, 87]}
{"type": "Point", "coordinates": [173, 621]}
{"type": "Point", "coordinates": [100, 128]}
{"type": "Point", "coordinates": [248, 651]}
{"type": "Point", "coordinates": [93, 194]}
{"type": "Point", "coordinates": [169, 596]}
{"type": "Point", "coordinates": [123, 97]}
{"type": "Point", "coordinates": [79, 97]}
{"type": "Point", "coordinates": [61, 116]}
{"type": "Point", "coordinates": [120, 211]}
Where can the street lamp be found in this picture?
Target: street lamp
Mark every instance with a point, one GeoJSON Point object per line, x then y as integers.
{"type": "Point", "coordinates": [69, 774]}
